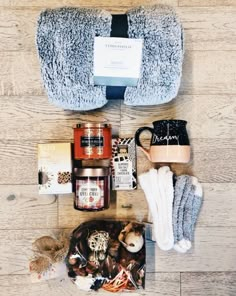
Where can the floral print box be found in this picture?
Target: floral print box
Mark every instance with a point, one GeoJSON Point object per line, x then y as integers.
{"type": "Point", "coordinates": [107, 254]}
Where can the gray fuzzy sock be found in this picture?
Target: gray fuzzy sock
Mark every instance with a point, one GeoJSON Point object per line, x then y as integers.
{"type": "Point", "coordinates": [189, 204]}
{"type": "Point", "coordinates": [196, 205]}
{"type": "Point", "coordinates": [181, 212]}
{"type": "Point", "coordinates": [188, 213]}
{"type": "Point", "coordinates": [178, 193]}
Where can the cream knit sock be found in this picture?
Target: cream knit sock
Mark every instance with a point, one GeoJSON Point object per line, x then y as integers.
{"type": "Point", "coordinates": [158, 189]}
{"type": "Point", "coordinates": [148, 189]}
{"type": "Point", "coordinates": [164, 201]}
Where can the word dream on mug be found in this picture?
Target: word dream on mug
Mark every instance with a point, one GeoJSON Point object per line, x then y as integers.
{"type": "Point", "coordinates": [157, 139]}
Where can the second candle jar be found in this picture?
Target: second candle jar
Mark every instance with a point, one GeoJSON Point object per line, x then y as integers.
{"type": "Point", "coordinates": [92, 189]}
{"type": "Point", "coordinates": [92, 141]}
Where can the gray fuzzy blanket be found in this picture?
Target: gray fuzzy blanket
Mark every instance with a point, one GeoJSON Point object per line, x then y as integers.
{"type": "Point", "coordinates": [65, 41]}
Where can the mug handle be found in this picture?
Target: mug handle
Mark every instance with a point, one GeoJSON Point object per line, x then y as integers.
{"type": "Point", "coordinates": [137, 139]}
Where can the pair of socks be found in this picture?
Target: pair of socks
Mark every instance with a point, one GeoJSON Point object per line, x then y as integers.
{"type": "Point", "coordinates": [174, 208]}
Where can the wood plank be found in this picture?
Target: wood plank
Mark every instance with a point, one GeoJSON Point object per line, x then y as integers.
{"type": "Point", "coordinates": [35, 118]}
{"type": "Point", "coordinates": [26, 118]}
{"type": "Point", "coordinates": [68, 217]}
{"type": "Point", "coordinates": [213, 250]}
{"type": "Point", "coordinates": [210, 284]}
{"type": "Point", "coordinates": [219, 198]}
{"type": "Point", "coordinates": [20, 74]}
{"type": "Point", "coordinates": [219, 205]}
{"type": "Point", "coordinates": [17, 29]}
{"type": "Point", "coordinates": [209, 72]}
{"type": "Point", "coordinates": [208, 28]}
{"type": "Point", "coordinates": [166, 284]}
{"type": "Point", "coordinates": [210, 243]}
{"type": "Point", "coordinates": [162, 284]}
{"type": "Point", "coordinates": [16, 249]}
{"type": "Point", "coordinates": [207, 3]}
{"type": "Point", "coordinates": [204, 72]}
{"type": "Point", "coordinates": [207, 155]}
{"type": "Point", "coordinates": [93, 3]}
{"type": "Point", "coordinates": [23, 203]}
{"type": "Point", "coordinates": [20, 285]}
{"type": "Point", "coordinates": [205, 28]}
{"type": "Point", "coordinates": [132, 205]}
{"type": "Point", "coordinates": [216, 112]}
{"type": "Point", "coordinates": [18, 161]}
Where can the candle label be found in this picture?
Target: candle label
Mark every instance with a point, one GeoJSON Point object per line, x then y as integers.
{"type": "Point", "coordinates": [90, 194]}
{"type": "Point", "coordinates": [91, 141]}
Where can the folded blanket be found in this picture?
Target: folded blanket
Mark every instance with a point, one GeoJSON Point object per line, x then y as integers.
{"type": "Point", "coordinates": [65, 42]}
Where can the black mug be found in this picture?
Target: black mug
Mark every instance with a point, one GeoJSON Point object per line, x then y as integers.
{"type": "Point", "coordinates": [169, 142]}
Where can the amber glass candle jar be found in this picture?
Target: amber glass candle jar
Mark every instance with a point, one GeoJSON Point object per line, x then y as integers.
{"type": "Point", "coordinates": [92, 189]}
{"type": "Point", "coordinates": [92, 141]}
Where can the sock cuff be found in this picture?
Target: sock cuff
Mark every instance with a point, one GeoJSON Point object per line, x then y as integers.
{"type": "Point", "coordinates": [197, 187]}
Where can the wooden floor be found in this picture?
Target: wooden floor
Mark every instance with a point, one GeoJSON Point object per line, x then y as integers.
{"type": "Point", "coordinates": [207, 100]}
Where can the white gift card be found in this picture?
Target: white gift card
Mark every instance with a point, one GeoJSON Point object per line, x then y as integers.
{"type": "Point", "coordinates": [117, 61]}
